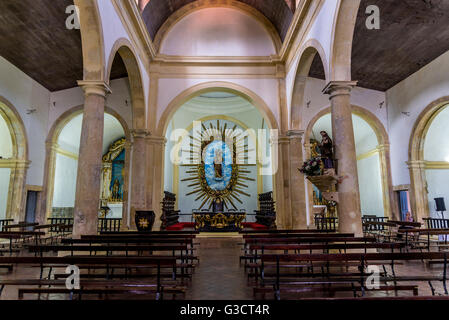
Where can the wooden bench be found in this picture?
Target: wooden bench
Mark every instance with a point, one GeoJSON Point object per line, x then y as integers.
{"type": "Point", "coordinates": [107, 262]}
{"type": "Point", "coordinates": [102, 287]}
{"type": "Point", "coordinates": [362, 258]}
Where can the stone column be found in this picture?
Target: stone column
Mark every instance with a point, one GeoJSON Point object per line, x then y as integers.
{"type": "Point", "coordinates": [297, 184]}
{"type": "Point", "coordinates": [17, 194]}
{"type": "Point", "coordinates": [90, 159]}
{"type": "Point", "coordinates": [125, 211]}
{"type": "Point", "coordinates": [345, 155]}
{"type": "Point", "coordinates": [156, 156]}
{"type": "Point", "coordinates": [139, 195]}
{"type": "Point", "coordinates": [283, 208]}
{"type": "Point", "coordinates": [418, 190]}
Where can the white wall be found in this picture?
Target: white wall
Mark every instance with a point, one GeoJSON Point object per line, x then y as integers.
{"type": "Point", "coordinates": [5, 142]}
{"type": "Point", "coordinates": [218, 32]}
{"type": "Point", "coordinates": [266, 89]}
{"type": "Point", "coordinates": [4, 188]}
{"type": "Point", "coordinates": [114, 30]}
{"type": "Point", "coordinates": [365, 98]}
{"type": "Point", "coordinates": [369, 170]}
{"type": "Point", "coordinates": [370, 186]}
{"type": "Point", "coordinates": [65, 182]}
{"type": "Point", "coordinates": [24, 93]}
{"type": "Point", "coordinates": [321, 32]}
{"type": "Point", "coordinates": [413, 95]}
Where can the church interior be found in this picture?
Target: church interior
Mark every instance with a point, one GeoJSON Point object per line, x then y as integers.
{"type": "Point", "coordinates": [224, 150]}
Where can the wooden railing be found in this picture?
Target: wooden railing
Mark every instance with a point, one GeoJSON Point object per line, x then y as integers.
{"type": "Point", "coordinates": [65, 221]}
{"type": "Point", "coordinates": [436, 223]}
{"type": "Point", "coordinates": [104, 224]}
{"type": "Point", "coordinates": [109, 224]}
{"type": "Point", "coordinates": [373, 227]}
{"type": "Point", "coordinates": [5, 222]}
{"type": "Point", "coordinates": [326, 224]}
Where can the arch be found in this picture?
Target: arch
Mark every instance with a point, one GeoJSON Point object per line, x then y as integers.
{"type": "Point", "coordinates": [201, 4]}
{"type": "Point", "coordinates": [418, 181]}
{"type": "Point", "coordinates": [50, 156]}
{"type": "Point", "coordinates": [125, 49]}
{"type": "Point", "coordinates": [92, 40]}
{"type": "Point", "coordinates": [343, 34]}
{"type": "Point", "coordinates": [18, 164]}
{"type": "Point", "coordinates": [206, 87]}
{"type": "Point", "coordinates": [307, 54]}
{"type": "Point", "coordinates": [17, 129]}
{"type": "Point", "coordinates": [203, 88]}
{"type": "Point", "coordinates": [383, 149]}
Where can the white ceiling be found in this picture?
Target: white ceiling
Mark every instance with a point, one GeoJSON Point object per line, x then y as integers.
{"type": "Point", "coordinates": [69, 139]}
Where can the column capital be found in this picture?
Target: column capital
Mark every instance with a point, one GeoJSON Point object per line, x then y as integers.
{"type": "Point", "coordinates": [140, 133]}
{"type": "Point", "coordinates": [416, 164]}
{"type": "Point", "coordinates": [93, 87]}
{"type": "Point", "coordinates": [292, 134]}
{"type": "Point", "coordinates": [157, 140]}
{"type": "Point", "coordinates": [338, 88]}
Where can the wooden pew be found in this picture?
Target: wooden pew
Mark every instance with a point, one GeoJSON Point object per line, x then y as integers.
{"type": "Point", "coordinates": [362, 258]}
{"type": "Point", "coordinates": [426, 232]}
{"type": "Point", "coordinates": [101, 286]}
{"type": "Point", "coordinates": [107, 262]}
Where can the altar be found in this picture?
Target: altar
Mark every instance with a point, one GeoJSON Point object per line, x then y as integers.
{"type": "Point", "coordinates": [219, 222]}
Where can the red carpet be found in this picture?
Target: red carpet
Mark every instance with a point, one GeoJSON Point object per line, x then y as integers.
{"type": "Point", "coordinates": [180, 226]}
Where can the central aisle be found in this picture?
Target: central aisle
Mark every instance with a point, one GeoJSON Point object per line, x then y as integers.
{"type": "Point", "coordinates": [219, 276]}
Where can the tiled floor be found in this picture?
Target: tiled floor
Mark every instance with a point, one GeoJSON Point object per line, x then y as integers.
{"type": "Point", "coordinates": [220, 277]}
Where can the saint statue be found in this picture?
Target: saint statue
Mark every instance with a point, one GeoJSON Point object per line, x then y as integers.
{"type": "Point", "coordinates": [116, 190]}
{"type": "Point", "coordinates": [218, 160]}
{"type": "Point", "coordinates": [326, 149]}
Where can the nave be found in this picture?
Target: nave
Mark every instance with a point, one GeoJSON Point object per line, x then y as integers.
{"type": "Point", "coordinates": [393, 260]}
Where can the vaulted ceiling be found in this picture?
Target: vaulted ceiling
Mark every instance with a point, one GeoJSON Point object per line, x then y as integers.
{"type": "Point", "coordinates": [157, 12]}
{"type": "Point", "coordinates": [35, 39]}
{"type": "Point", "coordinates": [412, 34]}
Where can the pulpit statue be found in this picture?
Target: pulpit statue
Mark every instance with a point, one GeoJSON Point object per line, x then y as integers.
{"type": "Point", "coordinates": [326, 149]}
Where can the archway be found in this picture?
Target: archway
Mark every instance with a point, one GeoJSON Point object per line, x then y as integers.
{"type": "Point", "coordinates": [61, 164]}
{"type": "Point", "coordinates": [312, 62]}
{"type": "Point", "coordinates": [92, 40]}
{"type": "Point", "coordinates": [13, 162]}
{"type": "Point", "coordinates": [428, 159]}
{"type": "Point", "coordinates": [123, 56]}
{"type": "Point", "coordinates": [373, 159]}
{"type": "Point", "coordinates": [219, 107]}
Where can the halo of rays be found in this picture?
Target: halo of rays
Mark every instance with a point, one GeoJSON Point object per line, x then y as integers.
{"type": "Point", "coordinates": [236, 140]}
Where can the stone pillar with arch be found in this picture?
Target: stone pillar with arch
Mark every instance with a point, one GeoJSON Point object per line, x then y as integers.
{"type": "Point", "coordinates": [345, 155]}
{"type": "Point", "coordinates": [90, 159]}
{"type": "Point", "coordinates": [297, 185]}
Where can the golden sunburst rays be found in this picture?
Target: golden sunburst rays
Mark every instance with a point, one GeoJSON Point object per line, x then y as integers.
{"type": "Point", "coordinates": [237, 141]}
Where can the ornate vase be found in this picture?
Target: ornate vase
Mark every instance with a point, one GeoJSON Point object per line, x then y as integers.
{"type": "Point", "coordinates": [145, 220]}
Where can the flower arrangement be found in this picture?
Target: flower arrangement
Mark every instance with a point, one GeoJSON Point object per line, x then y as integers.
{"type": "Point", "coordinates": [313, 167]}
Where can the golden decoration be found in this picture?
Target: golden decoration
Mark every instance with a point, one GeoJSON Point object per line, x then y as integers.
{"type": "Point", "coordinates": [198, 176]}
{"type": "Point", "coordinates": [143, 223]}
